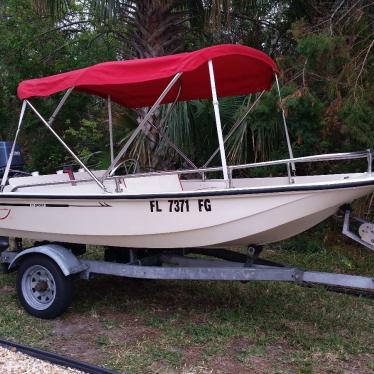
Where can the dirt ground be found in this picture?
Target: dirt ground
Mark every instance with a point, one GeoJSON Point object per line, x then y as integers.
{"type": "Point", "coordinates": [139, 326]}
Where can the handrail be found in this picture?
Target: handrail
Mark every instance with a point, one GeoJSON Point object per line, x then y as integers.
{"type": "Point", "coordinates": [316, 158]}
{"type": "Point", "coordinates": [368, 154]}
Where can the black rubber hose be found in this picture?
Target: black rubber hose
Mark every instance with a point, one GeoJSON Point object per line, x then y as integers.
{"type": "Point", "coordinates": [56, 359]}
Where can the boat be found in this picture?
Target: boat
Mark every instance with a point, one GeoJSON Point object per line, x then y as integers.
{"type": "Point", "coordinates": [174, 208]}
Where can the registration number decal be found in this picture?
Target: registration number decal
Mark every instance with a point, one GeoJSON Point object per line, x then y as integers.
{"type": "Point", "coordinates": [180, 205]}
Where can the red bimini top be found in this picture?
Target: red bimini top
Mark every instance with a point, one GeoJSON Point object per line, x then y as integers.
{"type": "Point", "coordinates": [138, 83]}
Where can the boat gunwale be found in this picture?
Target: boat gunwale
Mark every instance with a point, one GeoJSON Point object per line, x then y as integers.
{"type": "Point", "coordinates": [369, 181]}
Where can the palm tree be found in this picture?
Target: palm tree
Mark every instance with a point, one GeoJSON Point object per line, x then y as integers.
{"type": "Point", "coordinates": [150, 28]}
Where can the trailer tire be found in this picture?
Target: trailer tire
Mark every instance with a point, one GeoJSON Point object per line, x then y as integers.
{"type": "Point", "coordinates": [43, 290]}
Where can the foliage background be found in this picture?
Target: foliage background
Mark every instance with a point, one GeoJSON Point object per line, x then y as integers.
{"type": "Point", "coordinates": [324, 50]}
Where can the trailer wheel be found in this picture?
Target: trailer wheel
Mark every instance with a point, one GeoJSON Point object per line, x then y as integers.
{"type": "Point", "coordinates": [42, 288]}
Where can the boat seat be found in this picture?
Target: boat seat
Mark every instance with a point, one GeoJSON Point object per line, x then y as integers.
{"type": "Point", "coordinates": [153, 183]}
{"type": "Point", "coordinates": [37, 179]}
{"type": "Point", "coordinates": [47, 179]}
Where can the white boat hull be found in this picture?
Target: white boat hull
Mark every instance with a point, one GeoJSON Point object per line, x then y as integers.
{"type": "Point", "coordinates": [238, 216]}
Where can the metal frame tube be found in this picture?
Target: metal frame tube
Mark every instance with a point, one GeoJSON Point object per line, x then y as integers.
{"type": "Point", "coordinates": [196, 269]}
{"type": "Point", "coordinates": [163, 135]}
{"type": "Point", "coordinates": [290, 152]}
{"type": "Point", "coordinates": [218, 120]}
{"type": "Point", "coordinates": [233, 129]}
{"type": "Point", "coordinates": [370, 161]}
{"type": "Point", "coordinates": [59, 106]}
{"type": "Point", "coordinates": [66, 147]}
{"type": "Point", "coordinates": [142, 124]}
{"type": "Point", "coordinates": [315, 158]}
{"type": "Point", "coordinates": [110, 129]}
{"type": "Point", "coordinates": [7, 168]}
{"type": "Point", "coordinates": [174, 146]}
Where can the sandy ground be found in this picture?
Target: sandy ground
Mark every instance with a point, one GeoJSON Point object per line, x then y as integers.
{"type": "Point", "coordinates": [13, 362]}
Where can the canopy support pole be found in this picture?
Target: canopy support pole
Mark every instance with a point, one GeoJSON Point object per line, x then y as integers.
{"type": "Point", "coordinates": [290, 152]}
{"type": "Point", "coordinates": [59, 106]}
{"type": "Point", "coordinates": [174, 146]}
{"type": "Point", "coordinates": [142, 124]}
{"type": "Point", "coordinates": [66, 147]}
{"type": "Point", "coordinates": [165, 137]}
{"type": "Point", "coordinates": [9, 162]}
{"type": "Point", "coordinates": [110, 129]}
{"type": "Point", "coordinates": [233, 129]}
{"type": "Point", "coordinates": [218, 120]}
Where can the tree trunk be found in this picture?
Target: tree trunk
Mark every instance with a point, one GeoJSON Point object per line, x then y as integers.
{"type": "Point", "coordinates": [157, 29]}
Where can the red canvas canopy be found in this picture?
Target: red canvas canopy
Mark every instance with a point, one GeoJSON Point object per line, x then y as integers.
{"type": "Point", "coordinates": [138, 83]}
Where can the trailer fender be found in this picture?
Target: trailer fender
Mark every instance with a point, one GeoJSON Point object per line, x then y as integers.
{"type": "Point", "coordinates": [65, 259]}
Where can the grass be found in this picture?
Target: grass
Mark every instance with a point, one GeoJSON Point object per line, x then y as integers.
{"type": "Point", "coordinates": [139, 326]}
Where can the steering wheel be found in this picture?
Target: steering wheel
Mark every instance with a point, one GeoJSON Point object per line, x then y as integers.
{"type": "Point", "coordinates": [131, 166]}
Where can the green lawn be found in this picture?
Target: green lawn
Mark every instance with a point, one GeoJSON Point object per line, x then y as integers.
{"type": "Point", "coordinates": [138, 326]}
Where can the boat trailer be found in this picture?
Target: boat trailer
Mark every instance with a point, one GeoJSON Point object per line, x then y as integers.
{"type": "Point", "coordinates": [46, 270]}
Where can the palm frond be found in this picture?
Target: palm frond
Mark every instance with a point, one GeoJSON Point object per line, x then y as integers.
{"type": "Point", "coordinates": [108, 11]}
